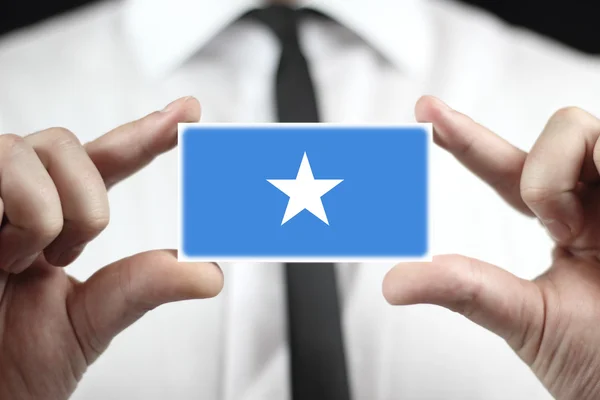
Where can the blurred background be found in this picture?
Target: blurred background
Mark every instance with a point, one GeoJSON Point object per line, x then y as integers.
{"type": "Point", "coordinates": [573, 23]}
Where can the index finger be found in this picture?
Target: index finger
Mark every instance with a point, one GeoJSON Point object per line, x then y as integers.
{"type": "Point", "coordinates": [130, 147]}
{"type": "Point", "coordinates": [487, 155]}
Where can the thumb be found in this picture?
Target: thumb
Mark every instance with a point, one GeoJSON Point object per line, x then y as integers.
{"type": "Point", "coordinates": [511, 307]}
{"type": "Point", "coordinates": [121, 293]}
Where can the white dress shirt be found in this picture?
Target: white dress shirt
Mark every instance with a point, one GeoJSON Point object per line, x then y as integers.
{"type": "Point", "coordinates": [101, 66]}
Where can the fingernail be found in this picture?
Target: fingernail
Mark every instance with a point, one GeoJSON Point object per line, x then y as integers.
{"type": "Point", "coordinates": [559, 231]}
{"type": "Point", "coordinates": [170, 106]}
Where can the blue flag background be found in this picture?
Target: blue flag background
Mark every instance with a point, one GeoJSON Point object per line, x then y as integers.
{"type": "Point", "coordinates": [230, 211]}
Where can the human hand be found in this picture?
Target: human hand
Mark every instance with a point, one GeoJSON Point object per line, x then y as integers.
{"type": "Point", "coordinates": [552, 321]}
{"type": "Point", "coordinates": [54, 202]}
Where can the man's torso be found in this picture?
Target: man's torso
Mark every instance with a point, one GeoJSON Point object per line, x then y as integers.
{"type": "Point", "coordinates": [82, 73]}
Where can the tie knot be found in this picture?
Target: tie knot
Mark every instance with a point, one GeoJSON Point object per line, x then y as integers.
{"type": "Point", "coordinates": [282, 20]}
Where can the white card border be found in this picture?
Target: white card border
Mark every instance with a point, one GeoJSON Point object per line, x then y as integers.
{"type": "Point", "coordinates": [371, 259]}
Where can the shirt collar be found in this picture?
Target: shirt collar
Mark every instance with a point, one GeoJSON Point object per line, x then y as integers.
{"type": "Point", "coordinates": [164, 33]}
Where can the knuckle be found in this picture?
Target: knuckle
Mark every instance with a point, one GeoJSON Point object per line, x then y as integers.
{"type": "Point", "coordinates": [95, 217]}
{"type": "Point", "coordinates": [125, 285]}
{"type": "Point", "coordinates": [535, 195]}
{"type": "Point", "coordinates": [465, 147]}
{"type": "Point", "coordinates": [573, 115]}
{"type": "Point", "coordinates": [11, 143]}
{"type": "Point", "coordinates": [62, 137]}
{"type": "Point", "coordinates": [471, 290]}
{"type": "Point", "coordinates": [96, 221]}
{"type": "Point", "coordinates": [84, 326]}
{"type": "Point", "coordinates": [131, 286]}
{"type": "Point", "coordinates": [47, 228]}
{"type": "Point", "coordinates": [527, 341]}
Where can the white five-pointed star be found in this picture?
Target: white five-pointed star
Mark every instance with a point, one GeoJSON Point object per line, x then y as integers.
{"type": "Point", "coordinates": [305, 192]}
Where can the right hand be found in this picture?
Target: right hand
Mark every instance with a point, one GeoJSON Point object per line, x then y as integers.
{"type": "Point", "coordinates": [552, 321]}
{"type": "Point", "coordinates": [53, 197]}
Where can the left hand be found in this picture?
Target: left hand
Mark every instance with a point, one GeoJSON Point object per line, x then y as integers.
{"type": "Point", "coordinates": [552, 323]}
{"type": "Point", "coordinates": [53, 327]}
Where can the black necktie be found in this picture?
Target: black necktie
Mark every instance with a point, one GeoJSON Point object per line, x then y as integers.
{"type": "Point", "coordinates": [318, 365]}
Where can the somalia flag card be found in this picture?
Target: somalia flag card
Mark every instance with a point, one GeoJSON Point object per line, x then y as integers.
{"type": "Point", "coordinates": [304, 192]}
